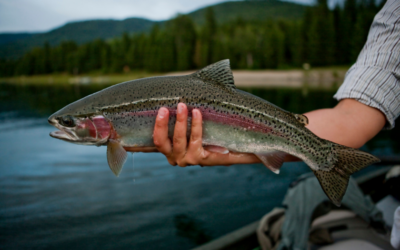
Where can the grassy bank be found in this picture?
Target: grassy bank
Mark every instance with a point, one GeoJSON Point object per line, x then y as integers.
{"type": "Point", "coordinates": [329, 78]}
{"type": "Point", "coordinates": [76, 79]}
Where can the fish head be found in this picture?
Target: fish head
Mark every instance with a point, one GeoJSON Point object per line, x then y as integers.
{"type": "Point", "coordinates": [93, 130]}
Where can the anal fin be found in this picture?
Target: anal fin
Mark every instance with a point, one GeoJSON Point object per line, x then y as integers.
{"type": "Point", "coordinates": [116, 156]}
{"type": "Point", "coordinates": [273, 160]}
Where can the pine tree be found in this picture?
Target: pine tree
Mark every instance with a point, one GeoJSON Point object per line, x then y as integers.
{"type": "Point", "coordinates": [321, 35]}
{"type": "Point", "coordinates": [208, 37]}
{"type": "Point", "coordinates": [184, 33]}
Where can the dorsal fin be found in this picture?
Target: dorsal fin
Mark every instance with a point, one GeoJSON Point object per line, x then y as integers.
{"type": "Point", "coordinates": [218, 73]}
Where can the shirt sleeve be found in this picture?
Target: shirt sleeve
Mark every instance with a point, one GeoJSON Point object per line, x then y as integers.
{"type": "Point", "coordinates": [375, 78]}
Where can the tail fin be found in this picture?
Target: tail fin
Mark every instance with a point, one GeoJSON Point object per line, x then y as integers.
{"type": "Point", "coordinates": [349, 160]}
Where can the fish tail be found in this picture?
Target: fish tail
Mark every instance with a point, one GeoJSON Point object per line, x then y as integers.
{"type": "Point", "coordinates": [349, 160]}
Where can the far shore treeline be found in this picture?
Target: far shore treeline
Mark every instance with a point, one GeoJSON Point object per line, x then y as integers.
{"type": "Point", "coordinates": [323, 37]}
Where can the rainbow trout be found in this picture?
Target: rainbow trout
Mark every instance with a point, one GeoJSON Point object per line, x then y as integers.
{"type": "Point", "coordinates": [122, 117]}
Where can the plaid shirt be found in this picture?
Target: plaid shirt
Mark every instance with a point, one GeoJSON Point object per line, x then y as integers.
{"type": "Point", "coordinates": [375, 78]}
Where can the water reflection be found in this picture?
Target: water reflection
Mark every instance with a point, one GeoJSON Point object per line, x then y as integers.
{"type": "Point", "coordinates": [190, 228]}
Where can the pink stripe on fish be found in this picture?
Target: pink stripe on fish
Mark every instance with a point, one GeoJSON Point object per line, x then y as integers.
{"type": "Point", "coordinates": [234, 120]}
{"type": "Point", "coordinates": [212, 115]}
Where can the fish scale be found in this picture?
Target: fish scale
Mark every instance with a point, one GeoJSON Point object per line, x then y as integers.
{"type": "Point", "coordinates": [232, 119]}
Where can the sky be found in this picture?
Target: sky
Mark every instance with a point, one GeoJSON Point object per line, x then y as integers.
{"type": "Point", "coordinates": [44, 15]}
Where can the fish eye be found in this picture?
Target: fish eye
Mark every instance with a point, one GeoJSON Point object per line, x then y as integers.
{"type": "Point", "coordinates": [67, 121]}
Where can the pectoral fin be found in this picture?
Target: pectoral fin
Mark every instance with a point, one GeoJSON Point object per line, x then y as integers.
{"type": "Point", "coordinates": [272, 160]}
{"type": "Point", "coordinates": [116, 156]}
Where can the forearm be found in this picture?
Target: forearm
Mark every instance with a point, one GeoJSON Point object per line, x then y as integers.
{"type": "Point", "coordinates": [349, 123]}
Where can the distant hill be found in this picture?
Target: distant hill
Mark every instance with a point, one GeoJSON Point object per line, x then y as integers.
{"type": "Point", "coordinates": [15, 45]}
{"type": "Point", "coordinates": [251, 10]}
{"type": "Point", "coordinates": [12, 37]}
{"type": "Point", "coordinates": [79, 32]}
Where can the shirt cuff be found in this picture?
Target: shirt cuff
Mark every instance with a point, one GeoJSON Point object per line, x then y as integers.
{"type": "Point", "coordinates": [375, 87]}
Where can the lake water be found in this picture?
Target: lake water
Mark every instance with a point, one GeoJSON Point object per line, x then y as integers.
{"type": "Point", "coordinates": [57, 195]}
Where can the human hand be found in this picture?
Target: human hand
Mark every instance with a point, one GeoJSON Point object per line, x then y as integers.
{"type": "Point", "coordinates": [183, 152]}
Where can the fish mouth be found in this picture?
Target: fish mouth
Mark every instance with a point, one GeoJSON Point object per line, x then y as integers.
{"type": "Point", "coordinates": [69, 135]}
{"type": "Point", "coordinates": [59, 134]}
{"type": "Point", "coordinates": [52, 121]}
{"type": "Point", "coordinates": [65, 136]}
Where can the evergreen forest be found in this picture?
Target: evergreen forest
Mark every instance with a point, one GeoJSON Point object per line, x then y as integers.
{"type": "Point", "coordinates": [322, 37]}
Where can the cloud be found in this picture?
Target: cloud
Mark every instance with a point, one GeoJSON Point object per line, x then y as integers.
{"type": "Point", "coordinates": [43, 15]}
{"type": "Point", "coordinates": [21, 15]}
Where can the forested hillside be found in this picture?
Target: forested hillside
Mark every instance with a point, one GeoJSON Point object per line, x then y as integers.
{"type": "Point", "coordinates": [12, 37]}
{"type": "Point", "coordinates": [250, 11]}
{"type": "Point", "coordinates": [78, 32]}
{"type": "Point", "coordinates": [86, 31]}
{"type": "Point", "coordinates": [321, 37]}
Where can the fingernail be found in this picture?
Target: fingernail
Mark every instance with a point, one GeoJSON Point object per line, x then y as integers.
{"type": "Point", "coordinates": [180, 108]}
{"type": "Point", "coordinates": [194, 113]}
{"type": "Point", "coordinates": [162, 113]}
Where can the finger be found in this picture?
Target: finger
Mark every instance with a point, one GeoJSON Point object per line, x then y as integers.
{"type": "Point", "coordinates": [195, 151]}
{"type": "Point", "coordinates": [197, 127]}
{"type": "Point", "coordinates": [160, 134]}
{"type": "Point", "coordinates": [195, 143]}
{"type": "Point", "coordinates": [180, 139]}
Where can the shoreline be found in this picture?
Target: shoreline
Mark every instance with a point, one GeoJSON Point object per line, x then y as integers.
{"type": "Point", "coordinates": [314, 78]}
